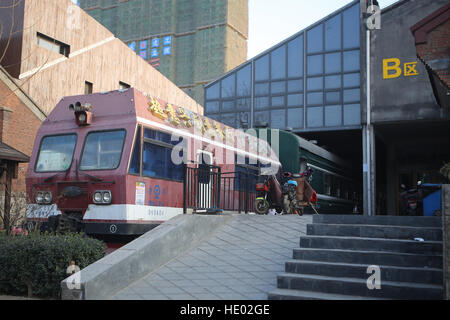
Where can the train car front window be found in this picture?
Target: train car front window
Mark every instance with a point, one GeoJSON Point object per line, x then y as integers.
{"type": "Point", "coordinates": [102, 150]}
{"type": "Point", "coordinates": [56, 153]}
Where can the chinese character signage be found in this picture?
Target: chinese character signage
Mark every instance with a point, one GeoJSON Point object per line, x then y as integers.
{"type": "Point", "coordinates": [143, 45]}
{"type": "Point", "coordinates": [132, 46]}
{"type": "Point", "coordinates": [143, 55]}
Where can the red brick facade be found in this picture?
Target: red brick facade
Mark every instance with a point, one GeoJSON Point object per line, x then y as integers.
{"type": "Point", "coordinates": [432, 36]}
{"type": "Point", "coordinates": [437, 47]}
{"type": "Point", "coordinates": [18, 125]}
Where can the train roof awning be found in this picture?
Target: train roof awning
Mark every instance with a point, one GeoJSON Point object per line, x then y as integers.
{"type": "Point", "coordinates": [11, 154]}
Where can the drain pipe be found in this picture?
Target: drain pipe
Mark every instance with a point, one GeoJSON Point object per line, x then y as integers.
{"type": "Point", "coordinates": [368, 128]}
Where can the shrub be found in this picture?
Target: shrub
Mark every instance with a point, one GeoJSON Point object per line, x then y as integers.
{"type": "Point", "coordinates": [36, 264]}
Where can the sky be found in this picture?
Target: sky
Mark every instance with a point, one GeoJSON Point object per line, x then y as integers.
{"type": "Point", "coordinates": [272, 21]}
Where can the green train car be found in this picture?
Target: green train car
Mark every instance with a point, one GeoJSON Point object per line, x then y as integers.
{"type": "Point", "coordinates": [334, 180]}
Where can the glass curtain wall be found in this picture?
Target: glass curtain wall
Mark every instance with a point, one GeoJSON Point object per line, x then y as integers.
{"type": "Point", "coordinates": [309, 82]}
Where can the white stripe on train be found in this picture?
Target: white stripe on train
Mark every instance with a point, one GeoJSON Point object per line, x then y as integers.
{"type": "Point", "coordinates": [218, 144]}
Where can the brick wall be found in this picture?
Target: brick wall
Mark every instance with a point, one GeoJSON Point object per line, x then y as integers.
{"type": "Point", "coordinates": [437, 47]}
{"type": "Point", "coordinates": [446, 225]}
{"type": "Point", "coordinates": [18, 129]}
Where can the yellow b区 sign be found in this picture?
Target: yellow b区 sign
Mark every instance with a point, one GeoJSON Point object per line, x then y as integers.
{"type": "Point", "coordinates": [392, 68]}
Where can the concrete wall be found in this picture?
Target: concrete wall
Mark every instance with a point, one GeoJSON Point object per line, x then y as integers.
{"type": "Point", "coordinates": [95, 56]}
{"type": "Point", "coordinates": [446, 226]}
{"type": "Point", "coordinates": [405, 98]}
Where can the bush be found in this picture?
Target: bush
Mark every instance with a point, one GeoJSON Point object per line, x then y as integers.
{"type": "Point", "coordinates": [36, 264]}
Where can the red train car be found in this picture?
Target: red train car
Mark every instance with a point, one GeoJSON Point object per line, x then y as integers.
{"type": "Point", "coordinates": [118, 163]}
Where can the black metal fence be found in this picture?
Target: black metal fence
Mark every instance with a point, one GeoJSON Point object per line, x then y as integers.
{"type": "Point", "coordinates": [206, 188]}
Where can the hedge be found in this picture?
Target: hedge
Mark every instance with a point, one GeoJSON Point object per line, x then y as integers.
{"type": "Point", "coordinates": [35, 265]}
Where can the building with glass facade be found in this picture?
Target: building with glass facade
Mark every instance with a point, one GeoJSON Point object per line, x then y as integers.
{"type": "Point", "coordinates": [316, 84]}
{"type": "Point", "coordinates": [309, 81]}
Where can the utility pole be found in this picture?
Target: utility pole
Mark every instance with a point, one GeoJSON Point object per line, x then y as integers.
{"type": "Point", "coordinates": [373, 22]}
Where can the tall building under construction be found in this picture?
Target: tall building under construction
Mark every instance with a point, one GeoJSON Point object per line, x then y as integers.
{"type": "Point", "coordinates": [191, 42]}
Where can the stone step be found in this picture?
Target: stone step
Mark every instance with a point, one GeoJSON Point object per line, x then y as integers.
{"type": "Point", "coordinates": [358, 287]}
{"type": "Point", "coordinates": [370, 257]}
{"type": "Point", "coordinates": [433, 222]}
{"type": "Point", "coordinates": [375, 231]}
{"type": "Point", "coordinates": [347, 270]}
{"type": "Point", "coordinates": [289, 294]}
{"type": "Point", "coordinates": [368, 244]}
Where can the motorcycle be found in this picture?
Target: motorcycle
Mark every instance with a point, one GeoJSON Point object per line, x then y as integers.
{"type": "Point", "coordinates": [301, 194]}
{"type": "Point", "coordinates": [269, 196]}
{"type": "Point", "coordinates": [285, 197]}
{"type": "Point", "coordinates": [411, 200]}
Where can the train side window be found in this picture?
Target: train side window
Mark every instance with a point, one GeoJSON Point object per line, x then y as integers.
{"type": "Point", "coordinates": [327, 184]}
{"type": "Point", "coordinates": [135, 164]}
{"type": "Point", "coordinates": [157, 156]}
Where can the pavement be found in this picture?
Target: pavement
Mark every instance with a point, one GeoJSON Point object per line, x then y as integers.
{"type": "Point", "coordinates": [239, 261]}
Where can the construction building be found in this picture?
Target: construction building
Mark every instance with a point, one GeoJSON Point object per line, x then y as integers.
{"type": "Point", "coordinates": [191, 42]}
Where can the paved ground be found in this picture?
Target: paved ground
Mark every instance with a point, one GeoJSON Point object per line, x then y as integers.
{"type": "Point", "coordinates": [240, 261]}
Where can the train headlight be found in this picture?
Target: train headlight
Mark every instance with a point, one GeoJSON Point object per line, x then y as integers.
{"type": "Point", "coordinates": [48, 197]}
{"type": "Point", "coordinates": [102, 197]}
{"type": "Point", "coordinates": [107, 197]}
{"type": "Point", "coordinates": [39, 197]}
{"type": "Point", "coordinates": [98, 197]}
{"type": "Point", "coordinates": [44, 197]}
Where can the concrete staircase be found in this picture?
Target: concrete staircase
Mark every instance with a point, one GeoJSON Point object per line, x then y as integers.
{"type": "Point", "coordinates": [333, 258]}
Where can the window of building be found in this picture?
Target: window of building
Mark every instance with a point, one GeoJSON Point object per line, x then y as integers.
{"type": "Point", "coordinates": [315, 117]}
{"type": "Point", "coordinates": [244, 81]}
{"type": "Point", "coordinates": [315, 65]}
{"type": "Point", "coordinates": [315, 83]}
{"type": "Point", "coordinates": [88, 87]}
{"type": "Point", "coordinates": [333, 33]}
{"type": "Point", "coordinates": [123, 85]}
{"type": "Point", "coordinates": [295, 58]}
{"type": "Point", "coordinates": [52, 44]}
{"type": "Point", "coordinates": [229, 86]}
{"type": "Point", "coordinates": [278, 119]}
{"type": "Point", "coordinates": [333, 116]}
{"type": "Point", "coordinates": [315, 39]}
{"type": "Point", "coordinates": [351, 27]}
{"type": "Point", "coordinates": [295, 118]}
{"type": "Point", "coordinates": [278, 63]}
{"type": "Point", "coordinates": [295, 86]}
{"type": "Point", "coordinates": [262, 68]}
{"type": "Point", "coordinates": [213, 92]}
{"type": "Point", "coordinates": [333, 63]}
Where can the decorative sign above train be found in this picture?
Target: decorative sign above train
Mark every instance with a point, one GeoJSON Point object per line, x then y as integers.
{"type": "Point", "coordinates": [392, 68]}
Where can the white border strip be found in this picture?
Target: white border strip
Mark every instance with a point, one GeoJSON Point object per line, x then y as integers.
{"type": "Point", "coordinates": [62, 59]}
{"type": "Point", "coordinates": [193, 136]}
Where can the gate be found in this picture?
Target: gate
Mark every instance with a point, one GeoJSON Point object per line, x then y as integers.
{"type": "Point", "coordinates": [207, 189]}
